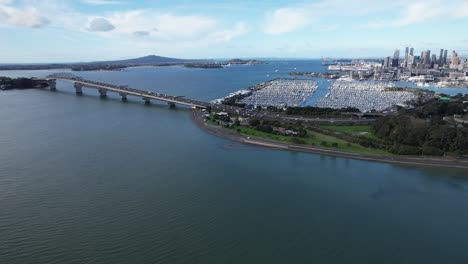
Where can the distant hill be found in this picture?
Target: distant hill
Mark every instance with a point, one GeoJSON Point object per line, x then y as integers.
{"type": "Point", "coordinates": [151, 59]}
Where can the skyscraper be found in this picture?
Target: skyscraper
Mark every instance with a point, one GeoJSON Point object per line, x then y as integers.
{"type": "Point", "coordinates": [386, 62]}
{"type": "Point", "coordinates": [411, 51]}
{"type": "Point", "coordinates": [455, 60]}
{"type": "Point", "coordinates": [444, 62]}
{"type": "Point", "coordinates": [433, 60]}
{"type": "Point", "coordinates": [410, 61]}
{"type": "Point", "coordinates": [396, 56]}
{"type": "Point", "coordinates": [406, 57]}
{"type": "Point", "coordinates": [426, 59]}
{"type": "Point", "coordinates": [441, 57]}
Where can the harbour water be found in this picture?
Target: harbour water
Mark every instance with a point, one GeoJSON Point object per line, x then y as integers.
{"type": "Point", "coordinates": [85, 180]}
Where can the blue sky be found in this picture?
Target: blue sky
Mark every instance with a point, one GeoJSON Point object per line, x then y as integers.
{"type": "Point", "coordinates": [88, 30]}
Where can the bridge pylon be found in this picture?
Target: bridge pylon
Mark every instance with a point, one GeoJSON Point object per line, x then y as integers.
{"type": "Point", "coordinates": [124, 97]}
{"type": "Point", "coordinates": [52, 84]}
{"type": "Point", "coordinates": [103, 93]}
{"type": "Point", "coordinates": [78, 88]}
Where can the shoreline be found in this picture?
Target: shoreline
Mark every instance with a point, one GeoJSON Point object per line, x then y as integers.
{"type": "Point", "coordinates": [198, 119]}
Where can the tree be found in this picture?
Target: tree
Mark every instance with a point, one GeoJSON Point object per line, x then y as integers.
{"type": "Point", "coordinates": [254, 122]}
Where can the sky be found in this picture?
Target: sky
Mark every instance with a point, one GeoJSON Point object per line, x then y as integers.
{"type": "Point", "coordinates": [39, 31]}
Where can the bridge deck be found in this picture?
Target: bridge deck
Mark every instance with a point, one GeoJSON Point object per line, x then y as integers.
{"type": "Point", "coordinates": [131, 91]}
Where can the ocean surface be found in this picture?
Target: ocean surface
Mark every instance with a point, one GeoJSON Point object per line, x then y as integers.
{"type": "Point", "coordinates": [85, 180]}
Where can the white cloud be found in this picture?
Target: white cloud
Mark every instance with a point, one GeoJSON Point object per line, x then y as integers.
{"type": "Point", "coordinates": [285, 20]}
{"type": "Point", "coordinates": [424, 11]}
{"type": "Point", "coordinates": [310, 14]}
{"type": "Point", "coordinates": [101, 2]}
{"type": "Point", "coordinates": [100, 25]}
{"type": "Point", "coordinates": [141, 33]}
{"type": "Point", "coordinates": [21, 17]}
{"type": "Point", "coordinates": [169, 28]}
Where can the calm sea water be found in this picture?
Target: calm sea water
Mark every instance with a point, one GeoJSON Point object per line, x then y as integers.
{"type": "Point", "coordinates": [84, 180]}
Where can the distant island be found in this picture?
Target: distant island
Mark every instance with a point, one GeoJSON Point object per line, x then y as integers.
{"type": "Point", "coordinates": [151, 60]}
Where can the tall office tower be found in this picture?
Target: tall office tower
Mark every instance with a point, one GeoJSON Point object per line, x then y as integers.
{"type": "Point", "coordinates": [410, 61]}
{"type": "Point", "coordinates": [386, 62]}
{"type": "Point", "coordinates": [411, 51]}
{"type": "Point", "coordinates": [441, 57]}
{"type": "Point", "coordinates": [455, 60]}
{"type": "Point", "coordinates": [444, 62]}
{"type": "Point", "coordinates": [425, 57]}
{"type": "Point", "coordinates": [434, 60]}
{"type": "Point", "coordinates": [396, 56]}
{"type": "Point", "coordinates": [422, 54]}
{"type": "Point", "coordinates": [406, 57]}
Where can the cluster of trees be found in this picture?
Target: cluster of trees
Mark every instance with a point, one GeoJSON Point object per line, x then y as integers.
{"type": "Point", "coordinates": [18, 83]}
{"type": "Point", "coordinates": [233, 101]}
{"type": "Point", "coordinates": [318, 111]}
{"type": "Point", "coordinates": [422, 130]}
{"type": "Point", "coordinates": [267, 127]}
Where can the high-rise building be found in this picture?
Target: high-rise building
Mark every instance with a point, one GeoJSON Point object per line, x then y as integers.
{"type": "Point", "coordinates": [410, 61]}
{"type": "Point", "coordinates": [441, 57]}
{"type": "Point", "coordinates": [455, 60]}
{"type": "Point", "coordinates": [406, 57]}
{"type": "Point", "coordinates": [434, 60]}
{"type": "Point", "coordinates": [444, 62]}
{"type": "Point", "coordinates": [426, 57]}
{"type": "Point", "coordinates": [396, 56]}
{"type": "Point", "coordinates": [386, 62]}
{"type": "Point", "coordinates": [411, 52]}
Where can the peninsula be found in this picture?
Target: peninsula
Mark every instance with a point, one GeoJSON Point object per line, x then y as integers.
{"type": "Point", "coordinates": [151, 60]}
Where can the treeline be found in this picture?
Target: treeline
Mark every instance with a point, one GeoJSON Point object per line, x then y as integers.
{"type": "Point", "coordinates": [18, 83]}
{"type": "Point", "coordinates": [422, 130]}
{"type": "Point", "coordinates": [267, 127]}
{"type": "Point", "coordinates": [318, 111]}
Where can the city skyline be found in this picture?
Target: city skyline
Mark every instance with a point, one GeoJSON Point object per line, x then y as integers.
{"type": "Point", "coordinates": [89, 30]}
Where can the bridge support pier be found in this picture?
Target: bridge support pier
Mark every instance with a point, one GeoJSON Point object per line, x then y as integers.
{"type": "Point", "coordinates": [52, 84]}
{"type": "Point", "coordinates": [171, 105]}
{"type": "Point", "coordinates": [78, 88]}
{"type": "Point", "coordinates": [103, 93]}
{"type": "Point", "coordinates": [147, 100]}
{"type": "Point", "coordinates": [124, 97]}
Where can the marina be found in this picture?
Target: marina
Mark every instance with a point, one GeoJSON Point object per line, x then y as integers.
{"type": "Point", "coordinates": [366, 96]}
{"type": "Point", "coordinates": [282, 93]}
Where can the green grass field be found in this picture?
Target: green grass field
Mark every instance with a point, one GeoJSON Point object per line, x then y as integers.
{"type": "Point", "coordinates": [316, 139]}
